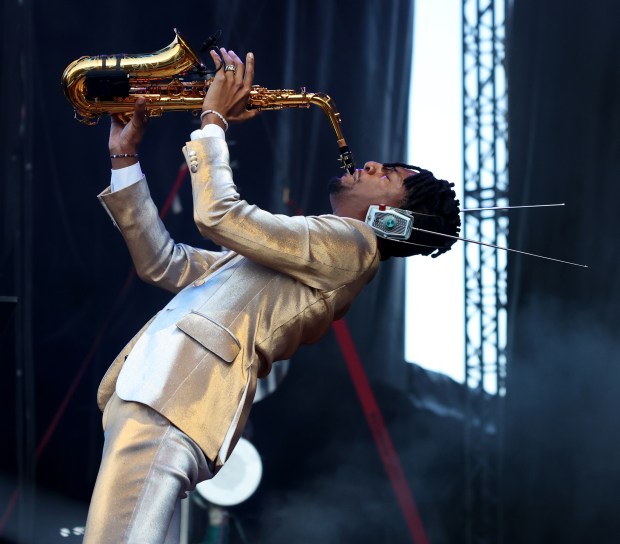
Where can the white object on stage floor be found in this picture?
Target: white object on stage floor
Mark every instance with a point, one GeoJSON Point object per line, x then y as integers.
{"type": "Point", "coordinates": [237, 479]}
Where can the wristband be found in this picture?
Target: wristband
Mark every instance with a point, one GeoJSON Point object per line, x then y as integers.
{"type": "Point", "coordinates": [216, 114]}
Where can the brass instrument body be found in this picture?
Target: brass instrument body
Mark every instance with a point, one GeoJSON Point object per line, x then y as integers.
{"type": "Point", "coordinates": [156, 76]}
{"type": "Point", "coordinates": [171, 79]}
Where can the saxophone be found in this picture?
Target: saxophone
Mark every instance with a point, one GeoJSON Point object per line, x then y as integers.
{"type": "Point", "coordinates": [171, 79]}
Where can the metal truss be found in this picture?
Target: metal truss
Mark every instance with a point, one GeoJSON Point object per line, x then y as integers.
{"type": "Point", "coordinates": [485, 157]}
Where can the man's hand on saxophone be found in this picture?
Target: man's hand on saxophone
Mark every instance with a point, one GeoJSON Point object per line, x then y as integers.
{"type": "Point", "coordinates": [229, 91]}
{"type": "Point", "coordinates": [225, 102]}
{"type": "Point", "coordinates": [125, 136]}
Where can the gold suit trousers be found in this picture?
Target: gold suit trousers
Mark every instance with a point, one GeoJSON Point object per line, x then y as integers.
{"type": "Point", "coordinates": [148, 466]}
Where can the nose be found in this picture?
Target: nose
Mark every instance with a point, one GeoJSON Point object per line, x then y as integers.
{"type": "Point", "coordinates": [371, 167]}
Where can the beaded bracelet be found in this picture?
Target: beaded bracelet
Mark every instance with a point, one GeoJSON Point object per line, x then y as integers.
{"type": "Point", "coordinates": [124, 155]}
{"type": "Point", "coordinates": [218, 115]}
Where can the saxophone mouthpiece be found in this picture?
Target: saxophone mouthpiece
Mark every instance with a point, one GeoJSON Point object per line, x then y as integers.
{"type": "Point", "coordinates": [346, 157]}
{"type": "Point", "coordinates": [347, 161]}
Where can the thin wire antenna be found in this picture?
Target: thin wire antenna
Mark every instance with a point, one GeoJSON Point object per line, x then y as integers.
{"type": "Point", "coordinates": [511, 207]}
{"type": "Point", "coordinates": [412, 213]}
{"type": "Point", "coordinates": [491, 245]}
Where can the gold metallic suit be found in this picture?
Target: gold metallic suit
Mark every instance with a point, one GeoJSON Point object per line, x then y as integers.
{"type": "Point", "coordinates": [281, 284]}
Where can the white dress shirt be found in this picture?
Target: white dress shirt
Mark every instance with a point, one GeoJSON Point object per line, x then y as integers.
{"type": "Point", "coordinates": [124, 177]}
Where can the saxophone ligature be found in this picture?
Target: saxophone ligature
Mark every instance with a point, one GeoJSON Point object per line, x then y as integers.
{"type": "Point", "coordinates": [171, 79]}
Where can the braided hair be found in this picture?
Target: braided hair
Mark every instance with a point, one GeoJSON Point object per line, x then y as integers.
{"type": "Point", "coordinates": [436, 209]}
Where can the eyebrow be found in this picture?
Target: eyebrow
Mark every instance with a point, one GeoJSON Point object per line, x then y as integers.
{"type": "Point", "coordinates": [405, 173]}
{"type": "Point", "coordinates": [403, 166]}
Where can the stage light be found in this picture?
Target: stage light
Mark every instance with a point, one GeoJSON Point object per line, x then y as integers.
{"type": "Point", "coordinates": [237, 480]}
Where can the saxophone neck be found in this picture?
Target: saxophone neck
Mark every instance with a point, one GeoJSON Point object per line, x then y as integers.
{"type": "Point", "coordinates": [269, 99]}
{"type": "Point", "coordinates": [329, 108]}
{"type": "Point", "coordinates": [277, 99]}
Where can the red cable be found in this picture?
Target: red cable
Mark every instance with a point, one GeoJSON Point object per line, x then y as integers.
{"type": "Point", "coordinates": [93, 349]}
{"type": "Point", "coordinates": [380, 433]}
{"type": "Point", "coordinates": [377, 425]}
{"type": "Point", "coordinates": [128, 281]}
{"type": "Point", "coordinates": [371, 409]}
{"type": "Point", "coordinates": [175, 189]}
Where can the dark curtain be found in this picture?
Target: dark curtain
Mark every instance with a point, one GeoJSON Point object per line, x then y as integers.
{"type": "Point", "coordinates": [562, 465]}
{"type": "Point", "coordinates": [79, 303]}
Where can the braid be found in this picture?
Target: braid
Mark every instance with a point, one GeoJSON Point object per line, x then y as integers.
{"type": "Point", "coordinates": [437, 200]}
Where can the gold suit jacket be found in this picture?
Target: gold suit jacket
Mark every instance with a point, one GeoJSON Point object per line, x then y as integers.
{"type": "Point", "coordinates": [281, 283]}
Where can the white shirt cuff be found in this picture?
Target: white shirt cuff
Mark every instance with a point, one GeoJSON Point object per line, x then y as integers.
{"type": "Point", "coordinates": [210, 131]}
{"type": "Point", "coordinates": [124, 177]}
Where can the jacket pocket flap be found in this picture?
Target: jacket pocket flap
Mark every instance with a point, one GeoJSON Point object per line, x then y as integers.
{"type": "Point", "coordinates": [210, 335]}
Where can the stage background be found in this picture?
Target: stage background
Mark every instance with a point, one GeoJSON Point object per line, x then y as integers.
{"type": "Point", "coordinates": [323, 476]}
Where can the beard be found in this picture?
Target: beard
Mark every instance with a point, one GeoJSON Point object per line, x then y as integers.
{"type": "Point", "coordinates": [335, 185]}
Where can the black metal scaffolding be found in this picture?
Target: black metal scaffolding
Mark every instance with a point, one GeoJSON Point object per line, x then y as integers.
{"type": "Point", "coordinates": [485, 157]}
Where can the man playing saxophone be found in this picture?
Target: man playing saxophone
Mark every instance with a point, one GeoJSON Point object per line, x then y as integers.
{"type": "Point", "coordinates": [177, 397]}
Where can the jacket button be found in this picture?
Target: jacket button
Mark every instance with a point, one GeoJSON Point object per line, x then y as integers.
{"type": "Point", "coordinates": [194, 168]}
{"type": "Point", "coordinates": [199, 282]}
